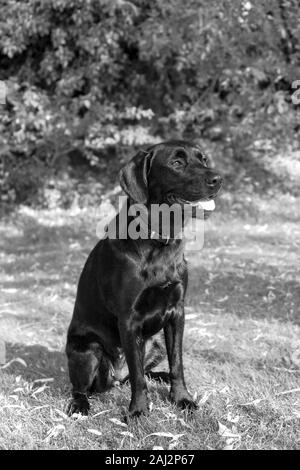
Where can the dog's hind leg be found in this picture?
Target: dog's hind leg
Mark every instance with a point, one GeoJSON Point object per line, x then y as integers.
{"type": "Point", "coordinates": [84, 359]}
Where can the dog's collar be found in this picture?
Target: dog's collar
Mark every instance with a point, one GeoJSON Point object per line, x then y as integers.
{"type": "Point", "coordinates": [164, 240]}
{"type": "Point", "coordinates": [148, 232]}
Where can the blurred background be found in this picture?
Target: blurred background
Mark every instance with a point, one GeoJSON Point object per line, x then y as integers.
{"type": "Point", "coordinates": [88, 83]}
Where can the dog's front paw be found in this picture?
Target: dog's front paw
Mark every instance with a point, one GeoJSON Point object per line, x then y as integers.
{"type": "Point", "coordinates": [78, 405]}
{"type": "Point", "coordinates": [183, 400]}
{"type": "Point", "coordinates": [138, 408]}
{"type": "Point", "coordinates": [187, 404]}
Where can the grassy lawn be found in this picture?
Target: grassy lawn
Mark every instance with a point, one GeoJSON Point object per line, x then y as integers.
{"type": "Point", "coordinates": [242, 337]}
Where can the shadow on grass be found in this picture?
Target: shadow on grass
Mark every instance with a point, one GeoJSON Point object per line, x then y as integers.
{"type": "Point", "coordinates": [41, 363]}
{"type": "Point", "coordinates": [259, 294]}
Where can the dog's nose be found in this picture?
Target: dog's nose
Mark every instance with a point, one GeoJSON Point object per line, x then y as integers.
{"type": "Point", "coordinates": [213, 179]}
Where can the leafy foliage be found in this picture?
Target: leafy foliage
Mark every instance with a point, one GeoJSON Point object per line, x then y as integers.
{"type": "Point", "coordinates": [91, 75]}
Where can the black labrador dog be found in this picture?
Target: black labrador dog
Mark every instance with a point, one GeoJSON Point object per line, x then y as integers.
{"type": "Point", "coordinates": [129, 307]}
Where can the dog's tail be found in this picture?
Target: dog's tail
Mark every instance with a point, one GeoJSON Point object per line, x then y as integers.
{"type": "Point", "coordinates": [155, 351]}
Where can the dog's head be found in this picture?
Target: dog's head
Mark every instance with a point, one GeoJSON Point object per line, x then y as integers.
{"type": "Point", "coordinates": [171, 172]}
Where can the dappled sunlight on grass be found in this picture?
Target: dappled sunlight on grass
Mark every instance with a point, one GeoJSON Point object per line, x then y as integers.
{"type": "Point", "coordinates": [241, 348]}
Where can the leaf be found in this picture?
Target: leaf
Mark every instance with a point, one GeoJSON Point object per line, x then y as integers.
{"type": "Point", "coordinates": [172, 445]}
{"type": "Point", "coordinates": [60, 413]}
{"type": "Point", "coordinates": [127, 433]}
{"type": "Point", "coordinates": [38, 408]}
{"type": "Point", "coordinates": [253, 402]}
{"type": "Point", "coordinates": [231, 443]}
{"type": "Point", "coordinates": [101, 413]}
{"type": "Point", "coordinates": [118, 422]}
{"type": "Point", "coordinates": [225, 389]}
{"type": "Point", "coordinates": [223, 299]}
{"type": "Point", "coordinates": [54, 432]}
{"type": "Point", "coordinates": [174, 437]}
{"type": "Point", "coordinates": [160, 434]}
{"type": "Point", "coordinates": [43, 380]}
{"type": "Point", "coordinates": [17, 359]}
{"type": "Point", "coordinates": [95, 432]}
{"type": "Point", "coordinates": [205, 397]}
{"type": "Point", "coordinates": [231, 418]}
{"type": "Point", "coordinates": [229, 446]}
{"type": "Point", "coordinates": [39, 390]}
{"type": "Point", "coordinates": [226, 432]}
{"type": "Point", "coordinates": [14, 397]}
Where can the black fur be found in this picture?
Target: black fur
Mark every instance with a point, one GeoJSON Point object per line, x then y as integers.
{"type": "Point", "coordinates": [131, 293]}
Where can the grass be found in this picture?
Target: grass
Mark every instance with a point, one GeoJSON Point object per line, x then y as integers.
{"type": "Point", "coordinates": [241, 347]}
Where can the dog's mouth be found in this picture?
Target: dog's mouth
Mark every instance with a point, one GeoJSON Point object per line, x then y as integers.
{"type": "Point", "coordinates": [201, 207]}
{"type": "Point", "coordinates": [206, 205]}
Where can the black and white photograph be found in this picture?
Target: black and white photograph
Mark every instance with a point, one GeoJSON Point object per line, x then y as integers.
{"type": "Point", "coordinates": [149, 227]}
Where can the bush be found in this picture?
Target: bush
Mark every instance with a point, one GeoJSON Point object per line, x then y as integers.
{"type": "Point", "coordinates": [91, 75]}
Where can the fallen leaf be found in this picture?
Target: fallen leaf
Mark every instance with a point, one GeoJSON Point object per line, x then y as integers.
{"type": "Point", "coordinates": [54, 432]}
{"type": "Point", "coordinates": [61, 413]}
{"type": "Point", "coordinates": [118, 422]}
{"type": "Point", "coordinates": [95, 431]}
{"type": "Point", "coordinates": [39, 390]}
{"type": "Point", "coordinates": [127, 433]}
{"type": "Point", "coordinates": [17, 359]}
{"type": "Point", "coordinates": [205, 397]}
{"type": "Point", "coordinates": [43, 380]}
{"type": "Point", "coordinates": [231, 418]}
{"type": "Point", "coordinates": [223, 299]}
{"type": "Point", "coordinates": [226, 432]}
{"type": "Point", "coordinates": [101, 413]}
{"type": "Point", "coordinates": [225, 389]}
{"type": "Point", "coordinates": [174, 437]}
{"type": "Point", "coordinates": [253, 402]}
{"type": "Point", "coordinates": [228, 447]}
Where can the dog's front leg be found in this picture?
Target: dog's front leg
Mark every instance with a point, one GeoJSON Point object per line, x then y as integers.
{"type": "Point", "coordinates": [174, 335]}
{"type": "Point", "coordinates": [134, 349]}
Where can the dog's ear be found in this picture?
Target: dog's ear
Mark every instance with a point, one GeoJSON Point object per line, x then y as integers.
{"type": "Point", "coordinates": [133, 176]}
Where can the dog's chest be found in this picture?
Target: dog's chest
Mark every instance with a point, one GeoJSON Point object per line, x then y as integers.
{"type": "Point", "coordinates": [159, 267]}
{"type": "Point", "coordinates": [162, 295]}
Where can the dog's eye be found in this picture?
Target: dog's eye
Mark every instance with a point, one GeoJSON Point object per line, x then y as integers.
{"type": "Point", "coordinates": [177, 163]}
